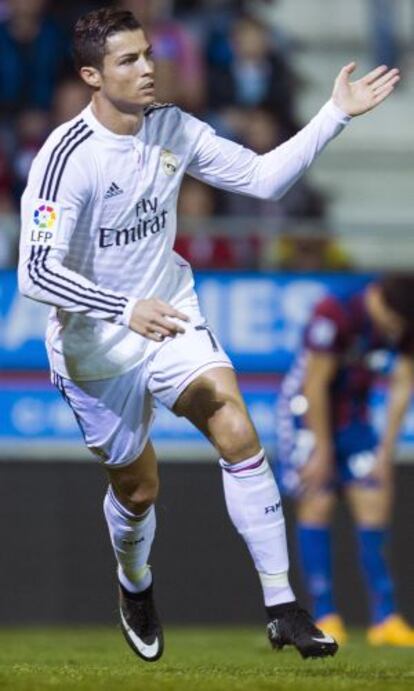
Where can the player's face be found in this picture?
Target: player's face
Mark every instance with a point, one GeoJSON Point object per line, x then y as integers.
{"type": "Point", "coordinates": [386, 320]}
{"type": "Point", "coordinates": [127, 74]}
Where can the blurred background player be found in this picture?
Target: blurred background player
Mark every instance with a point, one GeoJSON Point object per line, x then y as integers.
{"type": "Point", "coordinates": [328, 446]}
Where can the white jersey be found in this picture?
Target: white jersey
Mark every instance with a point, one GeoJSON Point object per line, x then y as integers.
{"type": "Point", "coordinates": [99, 223]}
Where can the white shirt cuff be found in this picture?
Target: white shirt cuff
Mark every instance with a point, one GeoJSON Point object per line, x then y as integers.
{"type": "Point", "coordinates": [125, 317]}
{"type": "Point", "coordinates": [336, 113]}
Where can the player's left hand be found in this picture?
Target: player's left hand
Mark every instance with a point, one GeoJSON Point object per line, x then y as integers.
{"type": "Point", "coordinates": [356, 98]}
{"type": "Point", "coordinates": [382, 471]}
{"type": "Point", "coordinates": [317, 473]}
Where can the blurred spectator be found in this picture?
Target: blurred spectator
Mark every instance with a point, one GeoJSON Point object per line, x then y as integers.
{"type": "Point", "coordinates": [204, 242]}
{"type": "Point", "coordinates": [267, 12]}
{"type": "Point", "coordinates": [33, 54]}
{"type": "Point", "coordinates": [180, 69]}
{"type": "Point", "coordinates": [215, 5]}
{"type": "Point", "coordinates": [4, 10]}
{"type": "Point", "coordinates": [5, 174]}
{"type": "Point", "coordinates": [31, 130]}
{"type": "Point", "coordinates": [261, 131]}
{"type": "Point", "coordinates": [307, 252]}
{"type": "Point", "coordinates": [383, 18]}
{"type": "Point", "coordinates": [210, 21]}
{"type": "Point", "coordinates": [67, 12]}
{"type": "Point", "coordinates": [9, 230]}
{"type": "Point", "coordinates": [71, 96]}
{"type": "Point", "coordinates": [253, 73]}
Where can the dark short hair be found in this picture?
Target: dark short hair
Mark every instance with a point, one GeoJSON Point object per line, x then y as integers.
{"type": "Point", "coordinates": [92, 30]}
{"type": "Point", "coordinates": [398, 292]}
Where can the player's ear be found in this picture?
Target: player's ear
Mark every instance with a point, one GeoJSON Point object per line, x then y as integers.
{"type": "Point", "coordinates": [91, 76]}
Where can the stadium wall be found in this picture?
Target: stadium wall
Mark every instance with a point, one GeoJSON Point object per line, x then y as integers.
{"type": "Point", "coordinates": [58, 567]}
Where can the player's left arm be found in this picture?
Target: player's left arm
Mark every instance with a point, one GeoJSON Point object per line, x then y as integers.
{"type": "Point", "coordinates": [401, 388]}
{"type": "Point", "coordinates": [227, 165]}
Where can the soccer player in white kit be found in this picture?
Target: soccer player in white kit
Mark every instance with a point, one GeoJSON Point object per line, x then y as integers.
{"type": "Point", "coordinates": [98, 229]}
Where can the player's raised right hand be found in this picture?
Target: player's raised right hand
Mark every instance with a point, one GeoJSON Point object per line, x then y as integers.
{"type": "Point", "coordinates": [153, 319]}
{"type": "Point", "coordinates": [357, 98]}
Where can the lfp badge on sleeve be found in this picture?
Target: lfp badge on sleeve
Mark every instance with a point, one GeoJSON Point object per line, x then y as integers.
{"type": "Point", "coordinates": [45, 223]}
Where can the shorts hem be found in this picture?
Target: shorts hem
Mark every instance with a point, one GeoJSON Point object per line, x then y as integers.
{"type": "Point", "coordinates": [193, 375]}
{"type": "Point", "coordinates": [367, 482]}
{"type": "Point", "coordinates": [124, 464]}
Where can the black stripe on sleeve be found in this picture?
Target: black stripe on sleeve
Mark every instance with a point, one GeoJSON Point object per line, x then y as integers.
{"type": "Point", "coordinates": [55, 167]}
{"type": "Point", "coordinates": [117, 301]}
{"type": "Point", "coordinates": [52, 156]}
{"type": "Point", "coordinates": [42, 270]}
{"type": "Point", "coordinates": [65, 160]}
{"type": "Point", "coordinates": [39, 280]}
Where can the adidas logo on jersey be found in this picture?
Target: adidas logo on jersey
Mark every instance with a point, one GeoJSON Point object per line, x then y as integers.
{"type": "Point", "coordinates": [113, 191]}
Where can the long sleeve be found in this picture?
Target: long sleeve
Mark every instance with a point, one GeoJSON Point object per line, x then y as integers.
{"type": "Point", "coordinates": [55, 197]}
{"type": "Point", "coordinates": [222, 163]}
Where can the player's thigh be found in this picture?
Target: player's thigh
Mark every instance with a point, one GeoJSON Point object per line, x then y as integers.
{"type": "Point", "coordinates": [370, 505]}
{"type": "Point", "coordinates": [193, 376]}
{"type": "Point", "coordinates": [214, 404]}
{"type": "Point", "coordinates": [316, 509]}
{"type": "Point", "coordinates": [204, 400]}
{"type": "Point", "coordinates": [136, 485]}
{"type": "Point", "coordinates": [369, 499]}
{"type": "Point", "coordinates": [294, 446]}
{"type": "Point", "coordinates": [114, 414]}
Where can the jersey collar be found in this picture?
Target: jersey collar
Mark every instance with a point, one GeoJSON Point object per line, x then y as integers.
{"type": "Point", "coordinates": [97, 127]}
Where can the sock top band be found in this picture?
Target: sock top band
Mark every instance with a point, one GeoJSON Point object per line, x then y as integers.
{"type": "Point", "coordinates": [248, 464]}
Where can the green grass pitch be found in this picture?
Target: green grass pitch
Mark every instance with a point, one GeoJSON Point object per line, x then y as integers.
{"type": "Point", "coordinates": [199, 659]}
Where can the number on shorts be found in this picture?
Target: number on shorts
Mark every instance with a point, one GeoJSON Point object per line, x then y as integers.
{"type": "Point", "coordinates": [210, 335]}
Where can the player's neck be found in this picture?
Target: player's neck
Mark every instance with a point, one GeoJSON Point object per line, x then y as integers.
{"type": "Point", "coordinates": [114, 120]}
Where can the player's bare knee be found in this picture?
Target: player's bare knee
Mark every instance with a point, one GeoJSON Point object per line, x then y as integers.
{"type": "Point", "coordinates": [371, 507]}
{"type": "Point", "coordinates": [370, 517]}
{"type": "Point", "coordinates": [144, 496]}
{"type": "Point", "coordinates": [316, 510]}
{"type": "Point", "coordinates": [237, 438]}
{"type": "Point", "coordinates": [140, 497]}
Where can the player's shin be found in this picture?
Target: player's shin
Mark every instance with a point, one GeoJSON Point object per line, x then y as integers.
{"type": "Point", "coordinates": [131, 538]}
{"type": "Point", "coordinates": [372, 544]}
{"type": "Point", "coordinates": [254, 506]}
{"type": "Point", "coordinates": [315, 552]}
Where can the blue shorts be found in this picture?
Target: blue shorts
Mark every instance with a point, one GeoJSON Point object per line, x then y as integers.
{"type": "Point", "coordinates": [354, 445]}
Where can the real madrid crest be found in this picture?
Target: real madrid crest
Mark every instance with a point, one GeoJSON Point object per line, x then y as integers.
{"type": "Point", "coordinates": [169, 162]}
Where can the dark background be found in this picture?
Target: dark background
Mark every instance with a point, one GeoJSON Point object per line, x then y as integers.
{"type": "Point", "coordinates": [58, 567]}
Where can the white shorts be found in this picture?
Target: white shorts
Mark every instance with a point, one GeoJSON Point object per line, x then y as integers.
{"type": "Point", "coordinates": [115, 414]}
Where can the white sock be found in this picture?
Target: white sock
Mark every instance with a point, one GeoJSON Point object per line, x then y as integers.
{"type": "Point", "coordinates": [254, 506]}
{"type": "Point", "coordinates": [131, 538]}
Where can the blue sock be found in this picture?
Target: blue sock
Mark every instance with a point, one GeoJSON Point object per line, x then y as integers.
{"type": "Point", "coordinates": [315, 555]}
{"type": "Point", "coordinates": [372, 542]}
